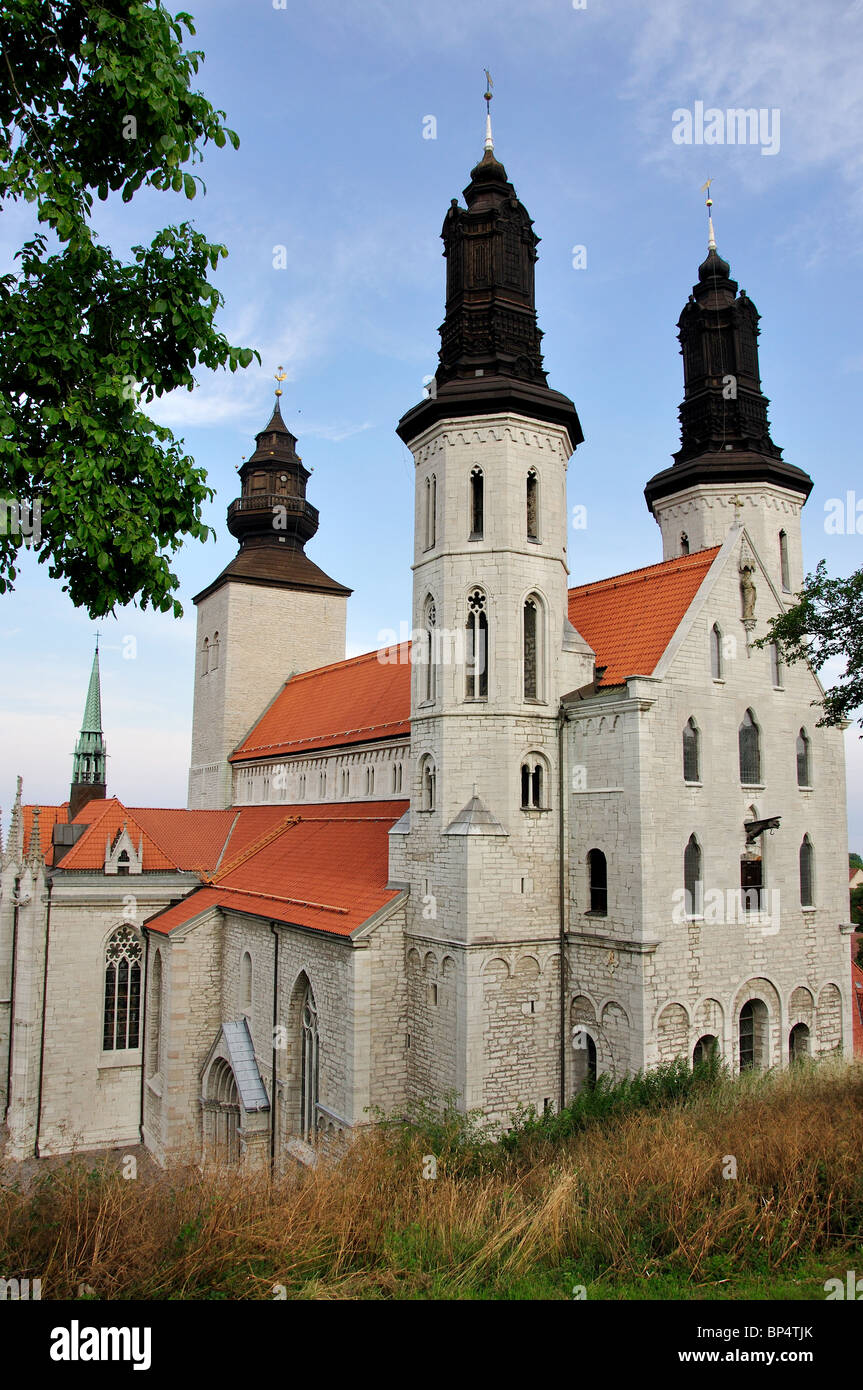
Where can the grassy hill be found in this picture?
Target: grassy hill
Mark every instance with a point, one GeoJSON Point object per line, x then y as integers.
{"type": "Point", "coordinates": [623, 1196]}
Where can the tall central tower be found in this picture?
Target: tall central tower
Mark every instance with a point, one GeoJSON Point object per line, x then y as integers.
{"type": "Point", "coordinates": [491, 445]}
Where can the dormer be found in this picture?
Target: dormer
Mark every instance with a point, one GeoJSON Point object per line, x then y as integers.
{"type": "Point", "coordinates": [122, 857]}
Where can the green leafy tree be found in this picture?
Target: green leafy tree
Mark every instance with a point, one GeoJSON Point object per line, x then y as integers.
{"type": "Point", "coordinates": [854, 860]}
{"type": "Point", "coordinates": [826, 621]}
{"type": "Point", "coordinates": [97, 99]}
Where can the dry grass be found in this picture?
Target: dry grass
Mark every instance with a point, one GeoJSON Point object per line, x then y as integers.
{"type": "Point", "coordinates": [624, 1201]}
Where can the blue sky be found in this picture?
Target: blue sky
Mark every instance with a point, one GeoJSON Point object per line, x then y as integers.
{"type": "Point", "coordinates": [329, 102]}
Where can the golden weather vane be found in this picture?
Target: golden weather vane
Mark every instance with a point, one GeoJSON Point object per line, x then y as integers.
{"type": "Point", "coordinates": [488, 90]}
{"type": "Point", "coordinates": [280, 376]}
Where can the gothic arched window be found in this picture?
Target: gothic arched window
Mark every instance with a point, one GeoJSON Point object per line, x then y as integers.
{"type": "Point", "coordinates": [532, 500]}
{"type": "Point", "coordinates": [691, 752]}
{"type": "Point", "coordinates": [749, 748]}
{"type": "Point", "coordinates": [692, 879]}
{"type": "Point", "coordinates": [431, 511]}
{"type": "Point", "coordinates": [776, 665]}
{"type": "Point", "coordinates": [804, 770]}
{"type": "Point", "coordinates": [205, 656]}
{"type": "Point", "coordinates": [476, 647]}
{"type": "Point", "coordinates": [428, 778]}
{"type": "Point", "coordinates": [121, 1021]}
{"type": "Point", "coordinates": [716, 653]}
{"type": "Point", "coordinates": [246, 983]}
{"type": "Point", "coordinates": [309, 1067]}
{"type": "Point", "coordinates": [783, 562]}
{"type": "Point", "coordinates": [753, 1035]}
{"type": "Point", "coordinates": [684, 543]}
{"type": "Point", "coordinates": [477, 500]}
{"type": "Point", "coordinates": [430, 640]}
{"type": "Point", "coordinates": [807, 873]}
{"type": "Point", "coordinates": [597, 872]}
{"type": "Point", "coordinates": [214, 653]}
{"type": "Point", "coordinates": [533, 620]}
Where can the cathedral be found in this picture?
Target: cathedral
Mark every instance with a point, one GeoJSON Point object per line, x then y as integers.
{"type": "Point", "coordinates": [562, 833]}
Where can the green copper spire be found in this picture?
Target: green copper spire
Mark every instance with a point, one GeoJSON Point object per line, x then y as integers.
{"type": "Point", "coordinates": [89, 764]}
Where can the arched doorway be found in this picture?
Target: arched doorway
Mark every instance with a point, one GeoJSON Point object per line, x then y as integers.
{"type": "Point", "coordinates": [221, 1115]}
{"type": "Point", "coordinates": [753, 1036]}
{"type": "Point", "coordinates": [705, 1050]}
{"type": "Point", "coordinates": [584, 1048]}
{"type": "Point", "coordinates": [798, 1043]}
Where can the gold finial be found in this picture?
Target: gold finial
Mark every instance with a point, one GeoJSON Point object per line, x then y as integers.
{"type": "Point", "coordinates": [489, 142]}
{"type": "Point", "coordinates": [708, 203]}
{"type": "Point", "coordinates": [488, 90]}
{"type": "Point", "coordinates": [279, 376]}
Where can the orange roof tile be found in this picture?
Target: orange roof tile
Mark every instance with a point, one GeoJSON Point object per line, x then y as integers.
{"type": "Point", "coordinates": [630, 618]}
{"type": "Point", "coordinates": [354, 701]}
{"type": "Point", "coordinates": [326, 868]}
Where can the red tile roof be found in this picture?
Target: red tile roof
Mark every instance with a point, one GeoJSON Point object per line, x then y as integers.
{"type": "Point", "coordinates": [48, 817]}
{"type": "Point", "coordinates": [356, 701]}
{"type": "Point", "coordinates": [324, 867]}
{"type": "Point", "coordinates": [630, 618]}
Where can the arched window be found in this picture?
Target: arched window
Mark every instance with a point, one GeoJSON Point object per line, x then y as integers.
{"type": "Point", "coordinates": [532, 506]}
{"type": "Point", "coordinates": [807, 873]}
{"type": "Point", "coordinates": [430, 639]}
{"type": "Point", "coordinates": [804, 771]}
{"type": "Point", "coordinates": [798, 1043]}
{"type": "Point", "coordinates": [221, 1117]}
{"type": "Point", "coordinates": [691, 752]}
{"type": "Point", "coordinates": [692, 878]}
{"type": "Point", "coordinates": [246, 983]}
{"type": "Point", "coordinates": [121, 1018]}
{"type": "Point", "coordinates": [397, 777]}
{"type": "Point", "coordinates": [476, 505]}
{"type": "Point", "coordinates": [776, 665]}
{"type": "Point", "coordinates": [214, 653]}
{"type": "Point", "coordinates": [476, 647]}
{"type": "Point", "coordinates": [427, 783]}
{"type": "Point", "coordinates": [749, 749]}
{"type": "Point", "coordinates": [154, 1017]}
{"type": "Point", "coordinates": [597, 873]}
{"type": "Point", "coordinates": [205, 656]}
{"type": "Point", "coordinates": [123, 864]}
{"type": "Point", "coordinates": [753, 1035]}
{"type": "Point", "coordinates": [684, 543]}
{"type": "Point", "coordinates": [783, 562]}
{"type": "Point", "coordinates": [705, 1050]}
{"type": "Point", "coordinates": [431, 511]}
{"type": "Point", "coordinates": [716, 652]}
{"type": "Point", "coordinates": [533, 783]}
{"type": "Point", "coordinates": [533, 647]}
{"type": "Point", "coordinates": [309, 1067]}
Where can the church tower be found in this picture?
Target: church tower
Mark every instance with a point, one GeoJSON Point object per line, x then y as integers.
{"type": "Point", "coordinates": [88, 768]}
{"type": "Point", "coordinates": [727, 470]}
{"type": "Point", "coordinates": [270, 613]}
{"type": "Point", "coordinates": [493, 652]}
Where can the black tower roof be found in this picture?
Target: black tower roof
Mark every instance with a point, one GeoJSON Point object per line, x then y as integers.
{"type": "Point", "coordinates": [272, 519]}
{"type": "Point", "coordinates": [724, 431]}
{"type": "Point", "coordinates": [490, 358]}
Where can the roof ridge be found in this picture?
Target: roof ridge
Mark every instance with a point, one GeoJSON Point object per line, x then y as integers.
{"type": "Point", "coordinates": [254, 848]}
{"type": "Point", "coordinates": [628, 576]}
{"type": "Point", "coordinates": [347, 661]}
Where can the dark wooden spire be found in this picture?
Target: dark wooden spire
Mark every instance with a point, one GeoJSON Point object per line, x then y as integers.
{"type": "Point", "coordinates": [490, 358]}
{"type": "Point", "coordinates": [272, 519]}
{"type": "Point", "coordinates": [724, 431]}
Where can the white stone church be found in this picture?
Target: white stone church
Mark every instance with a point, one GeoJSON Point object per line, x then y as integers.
{"type": "Point", "coordinates": [565, 832]}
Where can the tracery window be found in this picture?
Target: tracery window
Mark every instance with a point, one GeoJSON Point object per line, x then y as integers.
{"type": "Point", "coordinates": [749, 748]}
{"type": "Point", "coordinates": [476, 647]}
{"type": "Point", "coordinates": [309, 1067]}
{"type": "Point", "coordinates": [692, 878]}
{"type": "Point", "coordinates": [121, 1020]}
